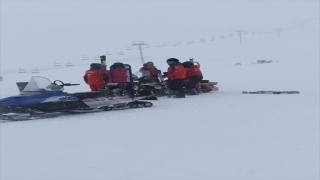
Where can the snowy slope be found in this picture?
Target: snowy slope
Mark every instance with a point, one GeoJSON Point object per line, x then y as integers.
{"type": "Point", "coordinates": [218, 135]}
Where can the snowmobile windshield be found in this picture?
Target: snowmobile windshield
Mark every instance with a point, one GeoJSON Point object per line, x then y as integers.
{"type": "Point", "coordinates": [41, 84]}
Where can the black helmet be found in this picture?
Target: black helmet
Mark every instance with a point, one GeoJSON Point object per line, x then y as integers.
{"type": "Point", "coordinates": [95, 66]}
{"type": "Point", "coordinates": [187, 64]}
{"type": "Point", "coordinates": [175, 60]}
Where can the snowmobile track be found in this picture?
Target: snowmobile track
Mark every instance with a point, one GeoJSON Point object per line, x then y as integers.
{"type": "Point", "coordinates": [36, 115]}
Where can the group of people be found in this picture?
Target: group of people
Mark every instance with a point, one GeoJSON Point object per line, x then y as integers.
{"type": "Point", "coordinates": [180, 76]}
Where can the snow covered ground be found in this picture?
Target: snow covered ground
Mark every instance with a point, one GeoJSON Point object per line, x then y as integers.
{"type": "Point", "coordinates": [218, 135]}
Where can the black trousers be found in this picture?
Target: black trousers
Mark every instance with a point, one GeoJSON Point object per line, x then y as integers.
{"type": "Point", "coordinates": [176, 85]}
{"type": "Point", "coordinates": [192, 82]}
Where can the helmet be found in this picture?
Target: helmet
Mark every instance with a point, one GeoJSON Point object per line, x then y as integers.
{"type": "Point", "coordinates": [150, 64]}
{"type": "Point", "coordinates": [103, 57]}
{"type": "Point", "coordinates": [95, 66]}
{"type": "Point", "coordinates": [187, 64]}
{"type": "Point", "coordinates": [145, 65]}
{"type": "Point", "coordinates": [172, 60]}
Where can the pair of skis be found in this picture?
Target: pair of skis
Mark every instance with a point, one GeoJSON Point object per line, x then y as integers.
{"type": "Point", "coordinates": [270, 92]}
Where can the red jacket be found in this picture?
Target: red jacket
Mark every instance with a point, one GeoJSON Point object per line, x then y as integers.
{"type": "Point", "coordinates": [193, 71]}
{"type": "Point", "coordinates": [152, 70]}
{"type": "Point", "coordinates": [94, 77]}
{"type": "Point", "coordinates": [176, 71]}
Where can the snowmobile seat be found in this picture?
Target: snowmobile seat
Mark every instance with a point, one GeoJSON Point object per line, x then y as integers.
{"type": "Point", "coordinates": [112, 86]}
{"type": "Point", "coordinates": [92, 94]}
{"type": "Point", "coordinates": [116, 88]}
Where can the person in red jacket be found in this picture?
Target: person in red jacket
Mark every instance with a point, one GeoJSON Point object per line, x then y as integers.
{"type": "Point", "coordinates": [150, 70]}
{"type": "Point", "coordinates": [176, 74]}
{"type": "Point", "coordinates": [194, 76]}
{"type": "Point", "coordinates": [97, 77]}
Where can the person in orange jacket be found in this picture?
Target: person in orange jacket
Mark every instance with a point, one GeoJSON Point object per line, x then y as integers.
{"type": "Point", "coordinates": [193, 77]}
{"type": "Point", "coordinates": [176, 75]}
{"type": "Point", "coordinates": [97, 77]}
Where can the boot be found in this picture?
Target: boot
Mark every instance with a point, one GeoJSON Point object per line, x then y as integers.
{"type": "Point", "coordinates": [198, 90]}
{"type": "Point", "coordinates": [193, 92]}
{"type": "Point", "coordinates": [180, 95]}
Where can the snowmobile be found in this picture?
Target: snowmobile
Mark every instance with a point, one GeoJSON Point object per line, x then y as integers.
{"type": "Point", "coordinates": [144, 82]}
{"type": "Point", "coordinates": [41, 98]}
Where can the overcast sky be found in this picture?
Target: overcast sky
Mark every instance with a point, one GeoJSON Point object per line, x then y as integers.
{"type": "Point", "coordinates": [58, 29]}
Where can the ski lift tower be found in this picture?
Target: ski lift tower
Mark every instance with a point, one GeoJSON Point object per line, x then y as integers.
{"type": "Point", "coordinates": [140, 43]}
{"type": "Point", "coordinates": [239, 33]}
{"type": "Point", "coordinates": [278, 32]}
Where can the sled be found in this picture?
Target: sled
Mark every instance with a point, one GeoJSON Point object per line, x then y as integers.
{"type": "Point", "coordinates": [206, 86]}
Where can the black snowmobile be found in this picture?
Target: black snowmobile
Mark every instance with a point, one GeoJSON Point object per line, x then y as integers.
{"type": "Point", "coordinates": [40, 98]}
{"type": "Point", "coordinates": [145, 83]}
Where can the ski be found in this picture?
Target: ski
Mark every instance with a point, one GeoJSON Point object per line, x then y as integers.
{"type": "Point", "coordinates": [270, 92]}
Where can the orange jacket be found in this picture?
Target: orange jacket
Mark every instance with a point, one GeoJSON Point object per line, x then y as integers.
{"type": "Point", "coordinates": [176, 71]}
{"type": "Point", "coordinates": [193, 71]}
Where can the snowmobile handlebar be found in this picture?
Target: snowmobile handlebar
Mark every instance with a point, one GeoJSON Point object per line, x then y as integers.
{"type": "Point", "coordinates": [69, 84]}
{"type": "Point", "coordinates": [63, 84]}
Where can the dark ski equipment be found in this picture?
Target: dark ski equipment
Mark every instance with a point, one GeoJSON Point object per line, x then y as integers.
{"type": "Point", "coordinates": [163, 83]}
{"type": "Point", "coordinates": [270, 92]}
